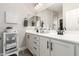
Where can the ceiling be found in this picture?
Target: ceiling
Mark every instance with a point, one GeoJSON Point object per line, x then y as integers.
{"type": "Point", "coordinates": [56, 7]}
{"type": "Point", "coordinates": [28, 7]}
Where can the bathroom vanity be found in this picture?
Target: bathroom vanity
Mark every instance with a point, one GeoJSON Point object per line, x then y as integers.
{"type": "Point", "coordinates": [51, 44]}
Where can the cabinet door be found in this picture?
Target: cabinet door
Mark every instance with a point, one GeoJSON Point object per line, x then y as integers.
{"type": "Point", "coordinates": [27, 40]}
{"type": "Point", "coordinates": [60, 48]}
{"type": "Point", "coordinates": [44, 46]}
{"type": "Point", "coordinates": [31, 43]}
{"type": "Point", "coordinates": [77, 50]}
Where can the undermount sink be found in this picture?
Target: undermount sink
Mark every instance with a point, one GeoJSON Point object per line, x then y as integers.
{"type": "Point", "coordinates": [42, 32]}
{"type": "Point", "coordinates": [45, 32]}
{"type": "Point", "coordinates": [48, 32]}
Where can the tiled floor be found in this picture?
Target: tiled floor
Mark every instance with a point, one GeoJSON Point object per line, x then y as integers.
{"type": "Point", "coordinates": [26, 52]}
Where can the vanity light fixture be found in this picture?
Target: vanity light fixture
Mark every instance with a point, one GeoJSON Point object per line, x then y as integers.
{"type": "Point", "coordinates": [42, 6]}
{"type": "Point", "coordinates": [38, 5]}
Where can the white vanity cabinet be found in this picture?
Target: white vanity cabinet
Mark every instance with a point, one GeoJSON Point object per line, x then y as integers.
{"type": "Point", "coordinates": [32, 43]}
{"type": "Point", "coordinates": [59, 48]}
{"type": "Point", "coordinates": [44, 46]}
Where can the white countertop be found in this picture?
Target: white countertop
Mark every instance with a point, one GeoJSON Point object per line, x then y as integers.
{"type": "Point", "coordinates": [69, 36]}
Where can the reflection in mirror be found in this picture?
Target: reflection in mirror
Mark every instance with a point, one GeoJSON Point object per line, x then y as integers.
{"type": "Point", "coordinates": [51, 15]}
{"type": "Point", "coordinates": [33, 20]}
{"type": "Point", "coordinates": [57, 10]}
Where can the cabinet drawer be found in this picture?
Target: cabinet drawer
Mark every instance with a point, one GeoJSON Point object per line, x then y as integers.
{"type": "Point", "coordinates": [36, 43]}
{"type": "Point", "coordinates": [36, 38]}
{"type": "Point", "coordinates": [36, 50]}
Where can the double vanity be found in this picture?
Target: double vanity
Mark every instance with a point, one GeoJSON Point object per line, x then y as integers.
{"type": "Point", "coordinates": [51, 44]}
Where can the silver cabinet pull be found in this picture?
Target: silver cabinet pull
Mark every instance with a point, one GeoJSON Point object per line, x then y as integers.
{"type": "Point", "coordinates": [47, 44]}
{"type": "Point", "coordinates": [35, 48]}
{"type": "Point", "coordinates": [35, 37]}
{"type": "Point", "coordinates": [51, 46]}
{"type": "Point", "coordinates": [35, 42]}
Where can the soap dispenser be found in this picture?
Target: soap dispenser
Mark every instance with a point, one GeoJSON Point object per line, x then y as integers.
{"type": "Point", "coordinates": [60, 29]}
{"type": "Point", "coordinates": [25, 22]}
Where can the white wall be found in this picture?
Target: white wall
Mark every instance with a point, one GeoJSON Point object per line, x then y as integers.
{"type": "Point", "coordinates": [22, 10]}
{"type": "Point", "coordinates": [72, 19]}
{"type": "Point", "coordinates": [70, 7]}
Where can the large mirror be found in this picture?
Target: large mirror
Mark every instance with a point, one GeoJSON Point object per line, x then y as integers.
{"type": "Point", "coordinates": [51, 16]}
{"type": "Point", "coordinates": [32, 21]}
